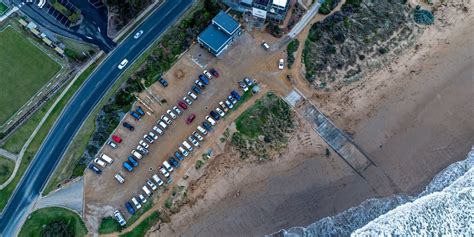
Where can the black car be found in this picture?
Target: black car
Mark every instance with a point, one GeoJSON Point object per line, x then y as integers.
{"type": "Point", "coordinates": [95, 169]}
{"type": "Point", "coordinates": [163, 82]}
{"type": "Point", "coordinates": [129, 126]}
{"type": "Point", "coordinates": [215, 115]}
{"type": "Point", "coordinates": [174, 162]}
{"type": "Point", "coordinates": [207, 126]}
{"type": "Point", "coordinates": [196, 89]}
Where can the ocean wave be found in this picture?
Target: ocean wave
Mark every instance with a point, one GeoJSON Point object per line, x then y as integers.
{"type": "Point", "coordinates": [445, 207]}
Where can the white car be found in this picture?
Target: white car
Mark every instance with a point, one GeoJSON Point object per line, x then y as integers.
{"type": "Point", "coordinates": [122, 64]}
{"type": "Point", "coordinates": [166, 119]}
{"type": "Point", "coordinates": [143, 150]}
{"type": "Point", "coordinates": [142, 198]}
{"type": "Point", "coordinates": [171, 114]}
{"type": "Point", "coordinates": [187, 100]}
{"type": "Point", "coordinates": [207, 74]}
{"type": "Point", "coordinates": [223, 106]}
{"type": "Point", "coordinates": [164, 172]}
{"type": "Point", "coordinates": [136, 203]}
{"type": "Point", "coordinates": [157, 180]}
{"type": "Point", "coordinates": [158, 130]}
{"type": "Point", "coordinates": [192, 95]}
{"type": "Point", "coordinates": [143, 144]}
{"type": "Point", "coordinates": [100, 162]}
{"type": "Point", "coordinates": [136, 154]}
{"type": "Point", "coordinates": [202, 130]}
{"type": "Point", "coordinates": [281, 64]}
{"type": "Point", "coordinates": [154, 136]}
{"type": "Point", "coordinates": [138, 34]}
{"type": "Point", "coordinates": [193, 141]}
{"type": "Point", "coordinates": [220, 112]}
{"type": "Point", "coordinates": [112, 144]}
{"type": "Point", "coordinates": [167, 166]}
{"type": "Point", "coordinates": [119, 178]}
{"type": "Point", "coordinates": [151, 184]}
{"type": "Point", "coordinates": [199, 137]}
{"type": "Point", "coordinates": [210, 120]}
{"type": "Point", "coordinates": [183, 151]}
{"type": "Point", "coordinates": [178, 111]}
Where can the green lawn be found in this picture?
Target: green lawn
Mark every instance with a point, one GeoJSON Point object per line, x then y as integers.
{"type": "Point", "coordinates": [41, 218]}
{"type": "Point", "coordinates": [24, 69]}
{"type": "Point", "coordinates": [109, 225]}
{"type": "Point", "coordinates": [3, 8]}
{"type": "Point", "coordinates": [144, 226]}
{"type": "Point", "coordinates": [6, 168]}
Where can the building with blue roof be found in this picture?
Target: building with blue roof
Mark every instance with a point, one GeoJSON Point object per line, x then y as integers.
{"type": "Point", "coordinates": [220, 33]}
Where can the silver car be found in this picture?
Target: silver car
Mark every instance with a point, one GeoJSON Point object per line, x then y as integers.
{"type": "Point", "coordinates": [171, 114]}
{"type": "Point", "coordinates": [166, 119]}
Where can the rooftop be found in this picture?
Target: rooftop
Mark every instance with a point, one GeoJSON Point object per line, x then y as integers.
{"type": "Point", "coordinates": [213, 37]}
{"type": "Point", "coordinates": [226, 22]}
{"type": "Point", "coordinates": [280, 3]}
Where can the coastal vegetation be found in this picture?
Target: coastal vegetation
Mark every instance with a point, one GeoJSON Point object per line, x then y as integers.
{"type": "Point", "coordinates": [290, 50]}
{"type": "Point", "coordinates": [6, 169]}
{"type": "Point", "coordinates": [53, 221]}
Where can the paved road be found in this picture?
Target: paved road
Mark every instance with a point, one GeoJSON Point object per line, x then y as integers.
{"type": "Point", "coordinates": [8, 154]}
{"type": "Point", "coordinates": [76, 112]}
{"type": "Point", "coordinates": [69, 197]}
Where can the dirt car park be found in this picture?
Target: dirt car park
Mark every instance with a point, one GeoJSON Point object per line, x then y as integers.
{"type": "Point", "coordinates": [245, 57]}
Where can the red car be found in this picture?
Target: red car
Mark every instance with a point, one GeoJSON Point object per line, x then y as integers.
{"type": "Point", "coordinates": [190, 119]}
{"type": "Point", "coordinates": [214, 72]}
{"type": "Point", "coordinates": [116, 139]}
{"type": "Point", "coordinates": [182, 105]}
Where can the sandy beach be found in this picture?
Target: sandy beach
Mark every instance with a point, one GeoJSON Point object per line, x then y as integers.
{"type": "Point", "coordinates": [413, 118]}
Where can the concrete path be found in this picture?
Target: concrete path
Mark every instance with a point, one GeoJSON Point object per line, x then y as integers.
{"type": "Point", "coordinates": [305, 19]}
{"type": "Point", "coordinates": [8, 155]}
{"type": "Point", "coordinates": [70, 197]}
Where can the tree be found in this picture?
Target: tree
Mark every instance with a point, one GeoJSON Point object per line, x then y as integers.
{"type": "Point", "coordinates": [57, 228]}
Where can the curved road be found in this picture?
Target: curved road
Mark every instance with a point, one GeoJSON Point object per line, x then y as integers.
{"type": "Point", "coordinates": [76, 112]}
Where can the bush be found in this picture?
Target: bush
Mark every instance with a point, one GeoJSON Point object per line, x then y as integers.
{"type": "Point", "coordinates": [291, 49]}
{"type": "Point", "coordinates": [199, 164]}
{"type": "Point", "coordinates": [56, 229]}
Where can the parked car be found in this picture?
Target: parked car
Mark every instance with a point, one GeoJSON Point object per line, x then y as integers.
{"type": "Point", "coordinates": [142, 198]}
{"type": "Point", "coordinates": [164, 172]}
{"type": "Point", "coordinates": [187, 100]}
{"type": "Point", "coordinates": [229, 104]}
{"type": "Point", "coordinates": [157, 180]}
{"type": "Point", "coordinates": [174, 162]}
{"type": "Point", "coordinates": [146, 190]}
{"type": "Point", "coordinates": [163, 82]}
{"type": "Point", "coordinates": [192, 95]}
{"type": "Point", "coordinates": [95, 169]}
{"type": "Point", "coordinates": [119, 217]}
{"type": "Point", "coordinates": [214, 115]}
{"type": "Point", "coordinates": [127, 166]}
{"type": "Point", "coordinates": [202, 130]}
{"type": "Point", "coordinates": [200, 84]}
{"type": "Point", "coordinates": [128, 126]}
{"type": "Point", "coordinates": [178, 111]}
{"type": "Point", "coordinates": [196, 135]}
{"type": "Point", "coordinates": [220, 112]}
{"type": "Point", "coordinates": [167, 166]}
{"type": "Point", "coordinates": [151, 184]}
{"type": "Point", "coordinates": [223, 106]}
{"type": "Point", "coordinates": [186, 144]}
{"type": "Point", "coordinates": [207, 126]}
{"type": "Point", "coordinates": [193, 141]}
{"type": "Point", "coordinates": [119, 178]}
{"type": "Point", "coordinates": [182, 105]}
{"type": "Point", "coordinates": [265, 45]}
{"type": "Point", "coordinates": [148, 139]}
{"type": "Point", "coordinates": [178, 156]}
{"type": "Point", "coordinates": [207, 74]}
{"type": "Point", "coordinates": [136, 203]}
{"type": "Point", "coordinates": [112, 144]}
{"type": "Point", "coordinates": [140, 111]}
{"type": "Point", "coordinates": [136, 154]}
{"type": "Point", "coordinates": [190, 119]}
{"type": "Point", "coordinates": [158, 130]}
{"type": "Point", "coordinates": [132, 161]}
{"type": "Point", "coordinates": [248, 81]}
{"type": "Point", "coordinates": [183, 151]}
{"type": "Point", "coordinates": [129, 207]}
{"type": "Point", "coordinates": [210, 120]}
{"type": "Point", "coordinates": [138, 34]}
{"type": "Point", "coordinates": [281, 64]}
{"type": "Point", "coordinates": [204, 79]}
{"type": "Point", "coordinates": [214, 72]}
{"type": "Point", "coordinates": [235, 94]}
{"type": "Point", "coordinates": [166, 119]}
{"type": "Point", "coordinates": [100, 162]}
{"type": "Point", "coordinates": [107, 158]}
{"type": "Point", "coordinates": [154, 136]}
{"type": "Point", "coordinates": [162, 124]}
{"type": "Point", "coordinates": [143, 144]}
{"type": "Point", "coordinates": [116, 139]}
{"type": "Point", "coordinates": [135, 115]}
{"type": "Point", "coordinates": [232, 99]}
{"type": "Point", "coordinates": [243, 86]}
{"type": "Point", "coordinates": [142, 150]}
{"type": "Point", "coordinates": [171, 114]}
{"type": "Point", "coordinates": [196, 89]}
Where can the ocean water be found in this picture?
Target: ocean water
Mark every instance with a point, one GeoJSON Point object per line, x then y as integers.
{"type": "Point", "coordinates": [445, 207]}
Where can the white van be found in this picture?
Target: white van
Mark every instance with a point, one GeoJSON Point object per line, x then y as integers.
{"type": "Point", "coordinates": [158, 130]}
{"type": "Point", "coordinates": [100, 162]}
{"type": "Point", "coordinates": [157, 179]}
{"type": "Point", "coordinates": [146, 190]}
{"type": "Point", "coordinates": [119, 178]}
{"type": "Point", "coordinates": [107, 158]}
{"type": "Point", "coordinates": [202, 130]}
{"type": "Point", "coordinates": [186, 144]}
{"type": "Point", "coordinates": [183, 151]}
{"type": "Point", "coordinates": [162, 124]}
{"type": "Point", "coordinates": [136, 203]}
{"type": "Point", "coordinates": [167, 166]}
{"type": "Point", "coordinates": [136, 154]}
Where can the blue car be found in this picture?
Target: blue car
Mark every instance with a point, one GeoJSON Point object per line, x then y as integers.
{"type": "Point", "coordinates": [178, 155]}
{"type": "Point", "coordinates": [129, 207]}
{"type": "Point", "coordinates": [196, 89]}
{"type": "Point", "coordinates": [127, 166]}
{"type": "Point", "coordinates": [173, 162]}
{"type": "Point", "coordinates": [95, 169]}
{"type": "Point", "coordinates": [140, 111]}
{"type": "Point", "coordinates": [207, 126]}
{"type": "Point", "coordinates": [215, 115]}
{"type": "Point", "coordinates": [135, 115]}
{"type": "Point", "coordinates": [133, 161]}
{"type": "Point", "coordinates": [235, 94]}
{"type": "Point", "coordinates": [204, 79]}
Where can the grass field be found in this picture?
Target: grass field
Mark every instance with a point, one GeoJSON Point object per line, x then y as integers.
{"type": "Point", "coordinates": [37, 221]}
{"type": "Point", "coordinates": [3, 8]}
{"type": "Point", "coordinates": [24, 69]}
{"type": "Point", "coordinates": [144, 226]}
{"type": "Point", "coordinates": [6, 168]}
